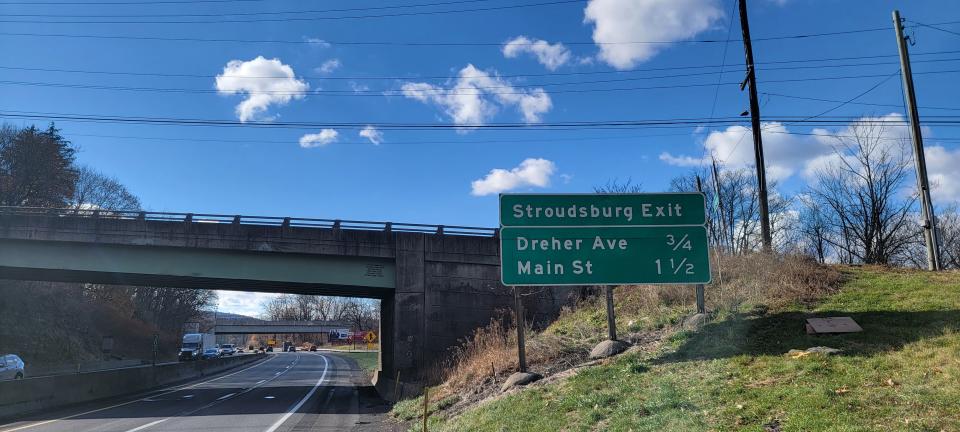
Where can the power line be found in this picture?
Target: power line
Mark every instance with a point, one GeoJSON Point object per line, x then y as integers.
{"type": "Point", "coordinates": [401, 43]}
{"type": "Point", "coordinates": [858, 96]}
{"type": "Point", "coordinates": [856, 103]}
{"type": "Point", "coordinates": [367, 143]}
{"type": "Point", "coordinates": [449, 77]}
{"type": "Point", "coordinates": [723, 62]}
{"type": "Point", "coordinates": [292, 19]}
{"type": "Point", "coordinates": [124, 3]}
{"type": "Point", "coordinates": [257, 13]}
{"type": "Point", "coordinates": [445, 92]}
{"type": "Point", "coordinates": [569, 125]}
{"type": "Point", "coordinates": [937, 28]}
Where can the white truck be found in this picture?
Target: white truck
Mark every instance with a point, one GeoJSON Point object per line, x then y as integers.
{"type": "Point", "coordinates": [193, 345]}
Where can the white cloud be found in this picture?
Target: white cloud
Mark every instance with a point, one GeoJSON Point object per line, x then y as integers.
{"type": "Point", "coordinates": [329, 66]}
{"type": "Point", "coordinates": [531, 172]}
{"type": "Point", "coordinates": [943, 164]}
{"type": "Point", "coordinates": [243, 303]}
{"type": "Point", "coordinates": [476, 96]}
{"type": "Point", "coordinates": [358, 88]}
{"type": "Point", "coordinates": [326, 136]}
{"type": "Point", "coordinates": [371, 133]}
{"type": "Point", "coordinates": [317, 42]}
{"type": "Point", "coordinates": [551, 56]}
{"type": "Point", "coordinates": [784, 153]}
{"type": "Point", "coordinates": [890, 134]}
{"type": "Point", "coordinates": [247, 77]}
{"type": "Point", "coordinates": [619, 21]}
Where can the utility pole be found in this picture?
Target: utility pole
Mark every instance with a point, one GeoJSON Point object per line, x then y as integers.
{"type": "Point", "coordinates": [926, 205]}
{"type": "Point", "coordinates": [701, 303]}
{"type": "Point", "coordinates": [751, 79]}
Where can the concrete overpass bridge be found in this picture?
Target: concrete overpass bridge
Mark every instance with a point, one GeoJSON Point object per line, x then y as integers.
{"type": "Point", "coordinates": [436, 283]}
{"type": "Point", "coordinates": [276, 327]}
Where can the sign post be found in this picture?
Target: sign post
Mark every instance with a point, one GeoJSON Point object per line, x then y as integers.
{"type": "Point", "coordinates": [521, 330]}
{"type": "Point", "coordinates": [603, 239]}
{"type": "Point", "coordinates": [611, 317]}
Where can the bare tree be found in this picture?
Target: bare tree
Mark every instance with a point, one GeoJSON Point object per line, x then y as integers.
{"type": "Point", "coordinates": [814, 229]}
{"type": "Point", "coordinates": [616, 187]}
{"type": "Point", "coordinates": [733, 212]}
{"type": "Point", "coordinates": [861, 189]}
{"type": "Point", "coordinates": [94, 190]}
{"type": "Point", "coordinates": [948, 227]}
{"type": "Point", "coordinates": [330, 308]}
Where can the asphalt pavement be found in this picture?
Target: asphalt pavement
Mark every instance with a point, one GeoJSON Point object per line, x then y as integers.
{"type": "Point", "coordinates": [303, 391]}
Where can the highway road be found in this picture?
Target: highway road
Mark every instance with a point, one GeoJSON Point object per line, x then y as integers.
{"type": "Point", "coordinates": [303, 391]}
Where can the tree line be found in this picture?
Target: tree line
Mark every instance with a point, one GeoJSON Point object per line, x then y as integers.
{"type": "Point", "coordinates": [858, 206]}
{"type": "Point", "coordinates": [360, 314]}
{"type": "Point", "coordinates": [38, 168]}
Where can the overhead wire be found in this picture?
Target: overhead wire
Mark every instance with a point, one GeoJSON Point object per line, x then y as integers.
{"type": "Point", "coordinates": [448, 92]}
{"type": "Point", "coordinates": [301, 18]}
{"type": "Point", "coordinates": [571, 125]}
{"type": "Point", "coordinates": [255, 13]}
{"type": "Point", "coordinates": [450, 77]}
{"type": "Point", "coordinates": [716, 90]}
{"type": "Point", "coordinates": [934, 26]}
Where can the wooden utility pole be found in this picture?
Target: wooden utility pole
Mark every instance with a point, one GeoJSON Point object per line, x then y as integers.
{"type": "Point", "coordinates": [519, 321]}
{"type": "Point", "coordinates": [926, 205]}
{"type": "Point", "coordinates": [751, 80]}
{"type": "Point", "coordinates": [701, 303]}
{"type": "Point", "coordinates": [611, 318]}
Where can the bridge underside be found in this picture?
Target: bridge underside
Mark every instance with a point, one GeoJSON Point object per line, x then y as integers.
{"type": "Point", "coordinates": [435, 287]}
{"type": "Point", "coordinates": [197, 268]}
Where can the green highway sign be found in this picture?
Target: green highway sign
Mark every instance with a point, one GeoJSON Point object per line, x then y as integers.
{"type": "Point", "coordinates": [604, 255]}
{"type": "Point", "coordinates": [643, 209]}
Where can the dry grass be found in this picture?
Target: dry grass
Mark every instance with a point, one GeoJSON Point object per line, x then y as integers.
{"type": "Point", "coordinates": [769, 280]}
{"type": "Point", "coordinates": [490, 354]}
{"type": "Point", "coordinates": [756, 280]}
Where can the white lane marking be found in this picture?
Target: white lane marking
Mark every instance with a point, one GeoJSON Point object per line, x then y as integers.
{"type": "Point", "coordinates": [148, 425]}
{"type": "Point", "coordinates": [296, 407]}
{"type": "Point", "coordinates": [186, 397]}
{"type": "Point", "coordinates": [261, 381]}
{"type": "Point", "coordinates": [268, 397]}
{"type": "Point", "coordinates": [174, 390]}
{"type": "Point", "coordinates": [211, 404]}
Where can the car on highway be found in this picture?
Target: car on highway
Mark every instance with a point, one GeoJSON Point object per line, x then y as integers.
{"type": "Point", "coordinates": [313, 347]}
{"type": "Point", "coordinates": [269, 349]}
{"type": "Point", "coordinates": [11, 367]}
{"type": "Point", "coordinates": [210, 353]}
{"type": "Point", "coordinates": [227, 349]}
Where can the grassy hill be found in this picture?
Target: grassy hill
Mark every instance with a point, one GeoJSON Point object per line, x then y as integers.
{"type": "Point", "coordinates": [901, 373]}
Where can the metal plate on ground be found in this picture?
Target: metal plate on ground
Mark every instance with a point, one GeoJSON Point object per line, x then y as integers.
{"type": "Point", "coordinates": [832, 325]}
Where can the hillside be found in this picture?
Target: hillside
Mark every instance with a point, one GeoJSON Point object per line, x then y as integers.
{"type": "Point", "coordinates": [735, 373]}
{"type": "Point", "coordinates": [54, 327]}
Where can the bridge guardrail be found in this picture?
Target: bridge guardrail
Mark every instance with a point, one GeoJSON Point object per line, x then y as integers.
{"type": "Point", "coordinates": [198, 218]}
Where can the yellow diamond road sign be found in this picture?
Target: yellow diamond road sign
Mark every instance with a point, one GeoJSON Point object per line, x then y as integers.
{"type": "Point", "coordinates": [370, 337]}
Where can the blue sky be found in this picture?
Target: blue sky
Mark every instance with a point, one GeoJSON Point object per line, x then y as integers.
{"type": "Point", "coordinates": [445, 175]}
